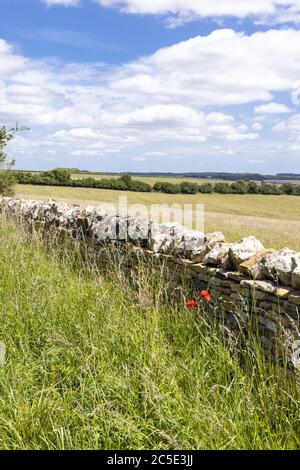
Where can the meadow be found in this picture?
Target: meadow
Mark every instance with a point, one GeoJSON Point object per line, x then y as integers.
{"type": "Point", "coordinates": [88, 366]}
{"type": "Point", "coordinates": [275, 220]}
{"type": "Point", "coordinates": [148, 179]}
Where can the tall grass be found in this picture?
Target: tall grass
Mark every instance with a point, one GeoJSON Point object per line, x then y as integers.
{"type": "Point", "coordinates": [91, 364]}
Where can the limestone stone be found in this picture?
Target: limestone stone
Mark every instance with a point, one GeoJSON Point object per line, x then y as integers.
{"type": "Point", "coordinates": [296, 354]}
{"type": "Point", "coordinates": [192, 241]}
{"type": "Point", "coordinates": [215, 237]}
{"type": "Point", "coordinates": [278, 266]}
{"type": "Point", "coordinates": [218, 255]}
{"type": "Point", "coordinates": [235, 276]}
{"type": "Point", "coordinates": [259, 285]}
{"type": "Point", "coordinates": [282, 292]}
{"type": "Point", "coordinates": [291, 308]}
{"type": "Point", "coordinates": [199, 268]}
{"type": "Point", "coordinates": [244, 250]}
{"type": "Point", "coordinates": [296, 278]}
{"type": "Point", "coordinates": [252, 267]}
{"type": "Point", "coordinates": [269, 324]}
{"type": "Point", "coordinates": [294, 298]}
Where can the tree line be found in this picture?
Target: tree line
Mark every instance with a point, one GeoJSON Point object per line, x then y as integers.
{"type": "Point", "coordinates": [63, 177]}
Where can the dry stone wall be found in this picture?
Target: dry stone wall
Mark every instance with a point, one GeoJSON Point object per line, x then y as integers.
{"type": "Point", "coordinates": [251, 286]}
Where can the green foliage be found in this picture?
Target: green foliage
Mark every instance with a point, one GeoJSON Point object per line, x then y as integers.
{"type": "Point", "coordinates": [59, 175]}
{"type": "Point", "coordinates": [296, 190]}
{"type": "Point", "coordinates": [167, 188]}
{"type": "Point", "coordinates": [89, 367]}
{"type": "Point", "coordinates": [222, 188]}
{"type": "Point", "coordinates": [270, 189]}
{"type": "Point", "coordinates": [287, 188]}
{"type": "Point", "coordinates": [189, 188]}
{"type": "Point", "coordinates": [7, 180]}
{"type": "Point", "coordinates": [206, 188]}
{"type": "Point", "coordinates": [126, 179]}
{"type": "Point", "coordinates": [239, 187]}
{"type": "Point", "coordinates": [253, 188]}
{"type": "Point", "coordinates": [62, 177]}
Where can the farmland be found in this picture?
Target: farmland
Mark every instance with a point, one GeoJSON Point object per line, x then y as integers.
{"type": "Point", "coordinates": [147, 179]}
{"type": "Point", "coordinates": [275, 220]}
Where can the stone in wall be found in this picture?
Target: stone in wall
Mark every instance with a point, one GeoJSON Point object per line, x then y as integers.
{"type": "Point", "coordinates": [244, 250]}
{"type": "Point", "coordinates": [218, 255]}
{"type": "Point", "coordinates": [279, 266]}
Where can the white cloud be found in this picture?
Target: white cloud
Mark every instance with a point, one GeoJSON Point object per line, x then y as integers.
{"type": "Point", "coordinates": [216, 70]}
{"type": "Point", "coordinates": [280, 127]}
{"type": "Point", "coordinates": [257, 126]}
{"type": "Point", "coordinates": [272, 108]}
{"type": "Point", "coordinates": [270, 11]}
{"type": "Point", "coordinates": [294, 123]}
{"type": "Point", "coordinates": [176, 96]}
{"type": "Point", "coordinates": [294, 148]}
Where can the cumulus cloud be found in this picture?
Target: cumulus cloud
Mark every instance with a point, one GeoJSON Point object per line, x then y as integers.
{"type": "Point", "coordinates": [178, 95]}
{"type": "Point", "coordinates": [275, 11]}
{"type": "Point", "coordinates": [216, 70]}
{"type": "Point", "coordinates": [182, 11]}
{"type": "Point", "coordinates": [272, 108]}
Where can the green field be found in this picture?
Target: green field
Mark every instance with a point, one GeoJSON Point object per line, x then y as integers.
{"type": "Point", "coordinates": [275, 220]}
{"type": "Point", "coordinates": [148, 179]}
{"type": "Point", "coordinates": [88, 366]}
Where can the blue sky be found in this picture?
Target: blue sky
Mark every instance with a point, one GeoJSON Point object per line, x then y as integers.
{"type": "Point", "coordinates": [166, 85]}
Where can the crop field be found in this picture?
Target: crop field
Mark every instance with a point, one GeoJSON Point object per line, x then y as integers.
{"type": "Point", "coordinates": [275, 220]}
{"type": "Point", "coordinates": [148, 179]}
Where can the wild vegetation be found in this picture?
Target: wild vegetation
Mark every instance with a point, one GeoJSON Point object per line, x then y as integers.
{"type": "Point", "coordinates": [91, 365]}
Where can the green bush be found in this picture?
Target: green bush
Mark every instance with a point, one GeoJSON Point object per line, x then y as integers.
{"type": "Point", "coordinates": [168, 188]}
{"type": "Point", "coordinates": [222, 188]}
{"type": "Point", "coordinates": [238, 187]}
{"type": "Point", "coordinates": [253, 188]}
{"type": "Point", "coordinates": [189, 188]}
{"type": "Point", "coordinates": [206, 188]}
{"type": "Point", "coordinates": [296, 190]}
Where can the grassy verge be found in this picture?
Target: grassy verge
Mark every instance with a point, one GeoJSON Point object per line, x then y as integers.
{"type": "Point", "coordinates": [89, 367]}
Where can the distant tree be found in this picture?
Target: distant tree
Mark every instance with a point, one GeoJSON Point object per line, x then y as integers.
{"type": "Point", "coordinates": [287, 188]}
{"type": "Point", "coordinates": [188, 188]}
{"type": "Point", "coordinates": [126, 179]}
{"type": "Point", "coordinates": [7, 179]}
{"type": "Point", "coordinates": [59, 175]}
{"type": "Point", "coordinates": [238, 187]}
{"type": "Point", "coordinates": [222, 188]}
{"type": "Point", "coordinates": [253, 188]}
{"type": "Point", "coordinates": [206, 188]}
{"type": "Point", "coordinates": [296, 190]}
{"type": "Point", "coordinates": [271, 189]}
{"type": "Point", "coordinates": [165, 187]}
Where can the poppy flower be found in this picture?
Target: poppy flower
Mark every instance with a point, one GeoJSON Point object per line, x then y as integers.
{"type": "Point", "coordinates": [204, 294]}
{"type": "Point", "coordinates": [191, 304]}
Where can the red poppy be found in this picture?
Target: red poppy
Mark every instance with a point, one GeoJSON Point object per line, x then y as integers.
{"type": "Point", "coordinates": [191, 304]}
{"type": "Point", "coordinates": [204, 294]}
